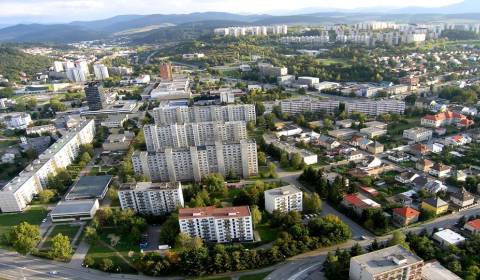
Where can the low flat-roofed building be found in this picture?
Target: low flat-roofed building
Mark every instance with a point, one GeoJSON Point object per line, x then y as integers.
{"type": "Point", "coordinates": [373, 131]}
{"type": "Point", "coordinates": [115, 121]}
{"type": "Point", "coordinates": [433, 270]}
{"type": "Point", "coordinates": [393, 262]}
{"type": "Point", "coordinates": [74, 210]}
{"type": "Point", "coordinates": [118, 142]}
{"type": "Point", "coordinates": [448, 237]}
{"type": "Point", "coordinates": [342, 133]}
{"type": "Point", "coordinates": [89, 187]}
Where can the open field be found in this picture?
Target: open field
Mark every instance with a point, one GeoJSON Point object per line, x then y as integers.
{"type": "Point", "coordinates": [33, 216]}
{"type": "Point", "coordinates": [67, 230]}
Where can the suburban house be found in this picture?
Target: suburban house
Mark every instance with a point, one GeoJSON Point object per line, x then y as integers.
{"type": "Point", "coordinates": [462, 198]}
{"type": "Point", "coordinates": [473, 226]}
{"type": "Point", "coordinates": [424, 165]}
{"type": "Point", "coordinates": [405, 216]}
{"type": "Point", "coordinates": [435, 205]}
{"type": "Point", "coordinates": [359, 203]}
{"type": "Point", "coordinates": [375, 148]}
{"type": "Point", "coordinates": [406, 177]}
{"type": "Point", "coordinates": [327, 142]}
{"type": "Point", "coordinates": [435, 186]}
{"type": "Point", "coordinates": [440, 170]}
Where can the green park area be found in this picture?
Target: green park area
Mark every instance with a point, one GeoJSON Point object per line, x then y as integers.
{"type": "Point", "coordinates": [65, 229]}
{"type": "Point", "coordinates": [33, 216]}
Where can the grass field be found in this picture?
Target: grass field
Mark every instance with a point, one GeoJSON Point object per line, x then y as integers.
{"type": "Point", "coordinates": [99, 251]}
{"type": "Point", "coordinates": [266, 233]}
{"type": "Point", "coordinates": [259, 276]}
{"type": "Point", "coordinates": [33, 216]}
{"type": "Point", "coordinates": [67, 230]}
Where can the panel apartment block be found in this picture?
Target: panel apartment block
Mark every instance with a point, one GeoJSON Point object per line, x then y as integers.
{"type": "Point", "coordinates": [171, 114]}
{"type": "Point", "coordinates": [230, 224]}
{"type": "Point", "coordinates": [375, 108]}
{"type": "Point", "coordinates": [191, 164]}
{"type": "Point", "coordinates": [193, 134]}
{"type": "Point", "coordinates": [151, 198]}
{"type": "Point", "coordinates": [15, 196]}
{"type": "Point", "coordinates": [302, 105]}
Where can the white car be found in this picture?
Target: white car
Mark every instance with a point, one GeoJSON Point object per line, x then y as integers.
{"type": "Point", "coordinates": [53, 272]}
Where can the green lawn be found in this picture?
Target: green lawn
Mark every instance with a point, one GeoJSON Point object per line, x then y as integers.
{"type": "Point", "coordinates": [33, 216]}
{"type": "Point", "coordinates": [99, 251]}
{"type": "Point", "coordinates": [259, 276]}
{"type": "Point", "coordinates": [266, 233]}
{"type": "Point", "coordinates": [68, 230]}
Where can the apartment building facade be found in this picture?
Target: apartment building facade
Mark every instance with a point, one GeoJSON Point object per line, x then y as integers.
{"type": "Point", "coordinates": [15, 196]}
{"type": "Point", "coordinates": [284, 199]}
{"type": "Point", "coordinates": [193, 134]}
{"type": "Point", "coordinates": [192, 163]}
{"type": "Point", "coordinates": [375, 107]}
{"type": "Point", "coordinates": [418, 134]}
{"type": "Point", "coordinates": [168, 114]}
{"type": "Point", "coordinates": [151, 198]}
{"type": "Point", "coordinates": [230, 224]}
{"type": "Point", "coordinates": [302, 105]}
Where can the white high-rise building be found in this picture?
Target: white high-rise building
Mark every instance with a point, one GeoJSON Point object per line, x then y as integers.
{"type": "Point", "coordinates": [193, 134]}
{"type": "Point", "coordinates": [15, 196]}
{"type": "Point", "coordinates": [76, 75]}
{"type": "Point", "coordinates": [58, 66]}
{"type": "Point", "coordinates": [229, 224]}
{"type": "Point", "coordinates": [82, 64]}
{"type": "Point", "coordinates": [101, 72]}
{"type": "Point", "coordinates": [179, 112]}
{"type": "Point", "coordinates": [68, 64]}
{"type": "Point", "coordinates": [151, 198]}
{"type": "Point", "coordinates": [284, 199]}
{"type": "Point", "coordinates": [193, 163]}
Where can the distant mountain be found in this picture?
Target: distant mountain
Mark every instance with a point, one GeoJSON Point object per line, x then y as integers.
{"type": "Point", "coordinates": [165, 26]}
{"type": "Point", "coordinates": [98, 29]}
{"type": "Point", "coordinates": [48, 33]}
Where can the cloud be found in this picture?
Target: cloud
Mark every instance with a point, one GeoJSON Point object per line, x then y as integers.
{"type": "Point", "coordinates": [68, 10]}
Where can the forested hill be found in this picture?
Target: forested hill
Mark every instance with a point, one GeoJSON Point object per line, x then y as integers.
{"type": "Point", "coordinates": [14, 61]}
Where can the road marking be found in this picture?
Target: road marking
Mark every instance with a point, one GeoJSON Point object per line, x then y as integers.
{"type": "Point", "coordinates": [32, 270]}
{"type": "Point", "coordinates": [296, 275]}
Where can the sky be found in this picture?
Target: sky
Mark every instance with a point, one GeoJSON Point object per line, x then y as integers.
{"type": "Point", "coordinates": [14, 11]}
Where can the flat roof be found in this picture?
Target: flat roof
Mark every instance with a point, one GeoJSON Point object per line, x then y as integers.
{"type": "Point", "coordinates": [449, 236]}
{"type": "Point", "coordinates": [383, 260]}
{"type": "Point", "coordinates": [89, 187]}
{"type": "Point", "coordinates": [211, 211]}
{"type": "Point", "coordinates": [285, 190]}
{"type": "Point", "coordinates": [434, 271]}
{"type": "Point", "coordinates": [69, 207]}
{"type": "Point", "coordinates": [144, 186]}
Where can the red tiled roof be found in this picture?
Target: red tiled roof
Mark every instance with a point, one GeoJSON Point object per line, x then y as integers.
{"type": "Point", "coordinates": [406, 212]}
{"type": "Point", "coordinates": [474, 223]}
{"type": "Point", "coordinates": [369, 190]}
{"type": "Point", "coordinates": [444, 116]}
{"type": "Point", "coordinates": [201, 212]}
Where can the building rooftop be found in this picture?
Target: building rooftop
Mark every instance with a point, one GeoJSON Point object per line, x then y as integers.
{"type": "Point", "coordinates": [433, 270]}
{"type": "Point", "coordinates": [202, 212]}
{"type": "Point", "coordinates": [89, 187]}
{"type": "Point", "coordinates": [32, 168]}
{"type": "Point", "coordinates": [285, 190]}
{"type": "Point", "coordinates": [406, 212]}
{"type": "Point", "coordinates": [449, 236]}
{"type": "Point", "coordinates": [435, 202]}
{"type": "Point", "coordinates": [387, 259]}
{"type": "Point", "coordinates": [144, 186]}
{"type": "Point", "coordinates": [73, 207]}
